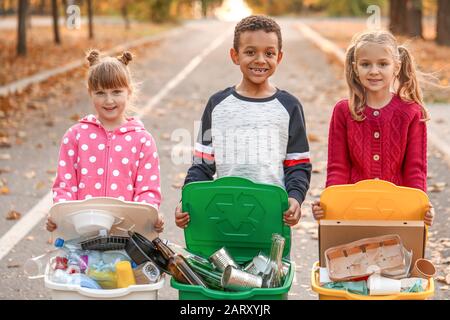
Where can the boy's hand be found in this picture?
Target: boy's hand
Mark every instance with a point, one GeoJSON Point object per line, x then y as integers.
{"type": "Point", "coordinates": [293, 214]}
{"type": "Point", "coordinates": [159, 225]}
{"type": "Point", "coordinates": [51, 226]}
{"type": "Point", "coordinates": [429, 216]}
{"type": "Point", "coordinates": [317, 210]}
{"type": "Point", "coordinates": [181, 218]}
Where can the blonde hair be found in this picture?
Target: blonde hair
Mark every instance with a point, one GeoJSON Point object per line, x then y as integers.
{"type": "Point", "coordinates": [408, 88]}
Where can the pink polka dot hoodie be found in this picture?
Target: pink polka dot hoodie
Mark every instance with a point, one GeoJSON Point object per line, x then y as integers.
{"type": "Point", "coordinates": [94, 162]}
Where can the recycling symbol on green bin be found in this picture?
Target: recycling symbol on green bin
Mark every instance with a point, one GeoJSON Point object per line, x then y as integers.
{"type": "Point", "coordinates": [237, 215]}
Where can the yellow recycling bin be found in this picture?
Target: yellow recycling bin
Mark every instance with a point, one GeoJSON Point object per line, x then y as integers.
{"type": "Point", "coordinates": [371, 200]}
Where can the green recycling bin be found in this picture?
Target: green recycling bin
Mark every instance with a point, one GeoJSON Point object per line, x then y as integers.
{"type": "Point", "coordinates": [240, 215]}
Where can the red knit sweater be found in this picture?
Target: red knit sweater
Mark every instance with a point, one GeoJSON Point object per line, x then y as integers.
{"type": "Point", "coordinates": [390, 144]}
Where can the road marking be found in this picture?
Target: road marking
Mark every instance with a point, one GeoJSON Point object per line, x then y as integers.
{"type": "Point", "coordinates": [39, 211]}
{"type": "Point", "coordinates": [25, 225]}
{"type": "Point", "coordinates": [181, 75]}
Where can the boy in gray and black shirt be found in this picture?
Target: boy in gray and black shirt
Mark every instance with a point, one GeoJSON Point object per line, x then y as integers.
{"type": "Point", "coordinates": [254, 130]}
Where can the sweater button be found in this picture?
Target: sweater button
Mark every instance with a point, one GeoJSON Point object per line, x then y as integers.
{"type": "Point", "coordinates": [376, 157]}
{"type": "Point", "coordinates": [376, 113]}
{"type": "Point", "coordinates": [376, 134]}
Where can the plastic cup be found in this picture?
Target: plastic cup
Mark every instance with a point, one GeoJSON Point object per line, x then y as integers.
{"type": "Point", "coordinates": [379, 285]}
{"type": "Point", "coordinates": [424, 269]}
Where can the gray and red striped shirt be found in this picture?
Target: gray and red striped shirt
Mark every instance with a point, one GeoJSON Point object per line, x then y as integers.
{"type": "Point", "coordinates": [261, 139]}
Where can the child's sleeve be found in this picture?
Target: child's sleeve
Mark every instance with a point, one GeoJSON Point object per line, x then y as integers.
{"type": "Point", "coordinates": [147, 185]}
{"type": "Point", "coordinates": [65, 186]}
{"type": "Point", "coordinates": [204, 164]}
{"type": "Point", "coordinates": [415, 163]}
{"type": "Point", "coordinates": [297, 165]}
{"type": "Point", "coordinates": [338, 167]}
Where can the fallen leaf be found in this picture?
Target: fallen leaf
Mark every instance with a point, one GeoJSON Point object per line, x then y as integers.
{"type": "Point", "coordinates": [13, 215]}
{"type": "Point", "coordinates": [30, 238]}
{"type": "Point", "coordinates": [51, 171]}
{"type": "Point", "coordinates": [5, 170]}
{"type": "Point", "coordinates": [5, 156]}
{"type": "Point", "coordinates": [313, 137]}
{"type": "Point", "coordinates": [40, 185]}
{"type": "Point", "coordinates": [75, 117]}
{"type": "Point", "coordinates": [30, 174]}
{"type": "Point", "coordinates": [4, 143]}
{"type": "Point", "coordinates": [444, 288]}
{"type": "Point", "coordinates": [315, 192]}
{"type": "Point", "coordinates": [4, 190]}
{"type": "Point", "coordinates": [21, 134]}
{"type": "Point", "coordinates": [177, 185]}
{"type": "Point", "coordinates": [10, 266]}
{"type": "Point", "coordinates": [165, 136]}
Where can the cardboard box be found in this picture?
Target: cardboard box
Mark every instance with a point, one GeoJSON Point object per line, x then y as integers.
{"type": "Point", "coordinates": [338, 232]}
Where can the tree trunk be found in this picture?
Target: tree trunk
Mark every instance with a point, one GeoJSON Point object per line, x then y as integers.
{"type": "Point", "coordinates": [90, 18]}
{"type": "Point", "coordinates": [443, 23]}
{"type": "Point", "coordinates": [397, 16]}
{"type": "Point", "coordinates": [124, 11]}
{"type": "Point", "coordinates": [414, 18]}
{"type": "Point", "coordinates": [22, 28]}
{"type": "Point", "coordinates": [204, 8]}
{"type": "Point", "coordinates": [55, 21]}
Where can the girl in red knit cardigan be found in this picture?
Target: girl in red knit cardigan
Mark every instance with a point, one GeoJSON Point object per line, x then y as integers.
{"type": "Point", "coordinates": [380, 131]}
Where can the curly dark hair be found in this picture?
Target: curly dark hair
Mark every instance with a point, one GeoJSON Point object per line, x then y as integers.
{"type": "Point", "coordinates": [255, 23]}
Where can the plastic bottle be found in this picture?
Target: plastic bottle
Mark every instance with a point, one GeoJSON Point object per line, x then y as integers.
{"type": "Point", "coordinates": [124, 274]}
{"type": "Point", "coordinates": [34, 267]}
{"type": "Point", "coordinates": [60, 276]}
{"type": "Point", "coordinates": [78, 259]}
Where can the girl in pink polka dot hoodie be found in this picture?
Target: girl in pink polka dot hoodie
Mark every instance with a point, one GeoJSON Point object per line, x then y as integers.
{"type": "Point", "coordinates": [108, 154]}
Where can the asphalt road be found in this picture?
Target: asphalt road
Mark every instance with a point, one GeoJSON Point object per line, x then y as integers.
{"type": "Point", "coordinates": [305, 72]}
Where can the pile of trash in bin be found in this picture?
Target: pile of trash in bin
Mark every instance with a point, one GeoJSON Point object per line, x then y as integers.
{"type": "Point", "coordinates": [110, 262]}
{"type": "Point", "coordinates": [375, 266]}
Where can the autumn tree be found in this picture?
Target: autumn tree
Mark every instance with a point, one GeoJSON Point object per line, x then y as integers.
{"type": "Point", "coordinates": [443, 23]}
{"type": "Point", "coordinates": [90, 19]}
{"type": "Point", "coordinates": [55, 15]}
{"type": "Point", "coordinates": [414, 18]}
{"type": "Point", "coordinates": [22, 28]}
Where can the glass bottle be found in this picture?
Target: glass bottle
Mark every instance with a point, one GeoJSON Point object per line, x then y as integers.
{"type": "Point", "coordinates": [273, 273]}
{"type": "Point", "coordinates": [177, 265]}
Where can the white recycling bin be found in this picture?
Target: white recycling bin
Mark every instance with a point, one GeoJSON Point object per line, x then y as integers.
{"type": "Point", "coordinates": [140, 217]}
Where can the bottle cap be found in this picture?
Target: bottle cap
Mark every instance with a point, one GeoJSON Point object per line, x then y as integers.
{"type": "Point", "coordinates": [59, 242]}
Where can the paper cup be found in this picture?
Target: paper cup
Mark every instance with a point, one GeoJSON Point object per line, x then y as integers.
{"type": "Point", "coordinates": [379, 285]}
{"type": "Point", "coordinates": [423, 268]}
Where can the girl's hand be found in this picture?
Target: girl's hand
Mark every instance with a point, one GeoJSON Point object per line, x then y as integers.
{"type": "Point", "coordinates": [51, 226]}
{"type": "Point", "coordinates": [181, 218]}
{"type": "Point", "coordinates": [317, 210]}
{"type": "Point", "coordinates": [293, 214]}
{"type": "Point", "coordinates": [159, 225]}
{"type": "Point", "coordinates": [429, 216]}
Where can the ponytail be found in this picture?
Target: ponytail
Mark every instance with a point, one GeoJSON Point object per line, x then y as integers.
{"type": "Point", "coordinates": [408, 87]}
{"type": "Point", "coordinates": [357, 96]}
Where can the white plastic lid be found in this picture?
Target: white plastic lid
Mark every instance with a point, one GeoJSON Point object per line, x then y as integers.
{"type": "Point", "coordinates": [139, 217]}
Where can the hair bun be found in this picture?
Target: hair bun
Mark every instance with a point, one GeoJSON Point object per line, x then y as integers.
{"type": "Point", "coordinates": [126, 57]}
{"type": "Point", "coordinates": [93, 56]}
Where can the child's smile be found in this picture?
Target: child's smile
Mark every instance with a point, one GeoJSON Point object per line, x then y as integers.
{"type": "Point", "coordinates": [258, 56]}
